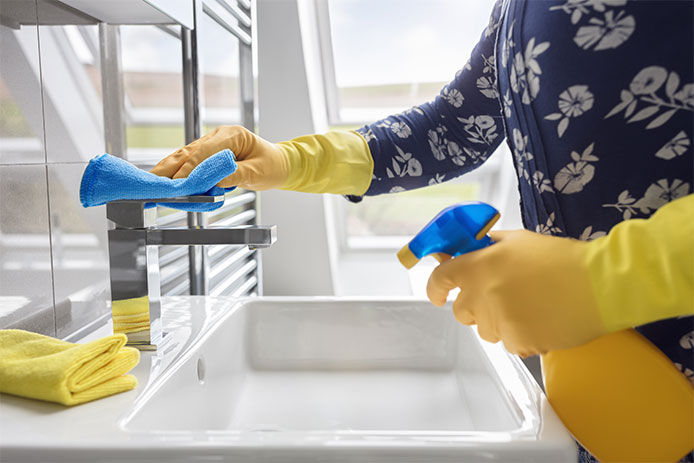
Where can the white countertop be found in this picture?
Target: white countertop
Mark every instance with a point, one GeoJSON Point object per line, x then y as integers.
{"type": "Point", "coordinates": [32, 430]}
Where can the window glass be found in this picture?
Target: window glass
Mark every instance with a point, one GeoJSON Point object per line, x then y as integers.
{"type": "Point", "coordinates": [392, 54]}
{"type": "Point", "coordinates": [219, 69]}
{"type": "Point", "coordinates": [151, 60]}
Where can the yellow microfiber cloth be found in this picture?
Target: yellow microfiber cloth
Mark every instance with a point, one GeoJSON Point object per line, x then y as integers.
{"type": "Point", "coordinates": [40, 367]}
{"type": "Point", "coordinates": [131, 315]}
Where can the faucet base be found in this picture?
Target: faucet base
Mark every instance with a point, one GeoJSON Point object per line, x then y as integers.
{"type": "Point", "coordinates": [141, 340]}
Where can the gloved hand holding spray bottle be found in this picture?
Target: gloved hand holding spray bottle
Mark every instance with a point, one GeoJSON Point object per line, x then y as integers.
{"type": "Point", "coordinates": [617, 393]}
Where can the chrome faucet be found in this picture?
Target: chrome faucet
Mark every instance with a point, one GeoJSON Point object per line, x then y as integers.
{"type": "Point", "coordinates": [134, 260]}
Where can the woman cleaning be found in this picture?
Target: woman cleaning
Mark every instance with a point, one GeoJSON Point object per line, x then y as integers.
{"type": "Point", "coordinates": [595, 99]}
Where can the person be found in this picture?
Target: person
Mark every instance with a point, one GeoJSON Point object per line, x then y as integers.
{"type": "Point", "coordinates": [596, 102]}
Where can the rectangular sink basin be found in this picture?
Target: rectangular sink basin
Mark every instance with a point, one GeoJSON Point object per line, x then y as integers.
{"type": "Point", "coordinates": [390, 378]}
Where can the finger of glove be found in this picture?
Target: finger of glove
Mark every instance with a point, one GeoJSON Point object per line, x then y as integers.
{"type": "Point", "coordinates": [235, 179]}
{"type": "Point", "coordinates": [188, 166]}
{"type": "Point", "coordinates": [172, 164]}
{"type": "Point", "coordinates": [519, 343]}
{"type": "Point", "coordinates": [523, 354]}
{"type": "Point", "coordinates": [521, 351]}
{"type": "Point", "coordinates": [515, 348]}
{"type": "Point", "coordinates": [198, 151]}
{"type": "Point", "coordinates": [441, 257]}
{"type": "Point", "coordinates": [461, 310]}
{"type": "Point", "coordinates": [168, 166]}
{"type": "Point", "coordinates": [487, 332]}
{"type": "Point", "coordinates": [500, 235]}
{"type": "Point", "coordinates": [445, 277]}
{"type": "Point", "coordinates": [467, 308]}
{"type": "Point", "coordinates": [240, 178]}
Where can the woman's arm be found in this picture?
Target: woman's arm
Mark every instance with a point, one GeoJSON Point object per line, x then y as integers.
{"type": "Point", "coordinates": [428, 144]}
{"type": "Point", "coordinates": [442, 139]}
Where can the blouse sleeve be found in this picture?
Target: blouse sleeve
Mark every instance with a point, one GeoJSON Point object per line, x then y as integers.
{"type": "Point", "coordinates": [444, 138]}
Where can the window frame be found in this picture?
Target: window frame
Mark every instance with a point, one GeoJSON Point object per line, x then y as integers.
{"type": "Point", "coordinates": [325, 45]}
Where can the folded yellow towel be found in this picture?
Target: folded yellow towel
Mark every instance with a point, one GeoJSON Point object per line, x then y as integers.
{"type": "Point", "coordinates": [40, 367]}
{"type": "Point", "coordinates": [131, 315]}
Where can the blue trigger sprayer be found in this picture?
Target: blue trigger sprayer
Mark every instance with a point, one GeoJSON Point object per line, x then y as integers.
{"type": "Point", "coordinates": [456, 230]}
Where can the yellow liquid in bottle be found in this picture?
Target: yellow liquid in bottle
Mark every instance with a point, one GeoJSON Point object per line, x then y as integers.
{"type": "Point", "coordinates": [622, 399]}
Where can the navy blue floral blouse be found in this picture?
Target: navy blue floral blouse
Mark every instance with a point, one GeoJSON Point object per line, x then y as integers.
{"type": "Point", "coordinates": [596, 102]}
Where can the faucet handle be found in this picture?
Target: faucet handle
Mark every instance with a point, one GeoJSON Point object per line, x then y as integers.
{"type": "Point", "coordinates": [131, 213]}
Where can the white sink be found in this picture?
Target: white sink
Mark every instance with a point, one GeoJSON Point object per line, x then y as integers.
{"type": "Point", "coordinates": [317, 379]}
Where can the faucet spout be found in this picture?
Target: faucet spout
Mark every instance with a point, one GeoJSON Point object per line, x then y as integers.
{"type": "Point", "coordinates": [134, 260]}
{"type": "Point", "coordinates": [251, 235]}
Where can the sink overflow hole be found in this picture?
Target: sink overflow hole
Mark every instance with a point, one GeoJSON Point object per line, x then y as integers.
{"type": "Point", "coordinates": [201, 370]}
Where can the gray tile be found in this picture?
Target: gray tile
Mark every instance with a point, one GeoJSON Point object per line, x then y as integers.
{"type": "Point", "coordinates": [26, 292]}
{"type": "Point", "coordinates": [71, 92]}
{"type": "Point", "coordinates": [21, 114]}
{"type": "Point", "coordinates": [80, 252]}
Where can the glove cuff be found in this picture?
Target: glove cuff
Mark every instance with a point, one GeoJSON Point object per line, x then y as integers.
{"type": "Point", "coordinates": [643, 270]}
{"type": "Point", "coordinates": [336, 162]}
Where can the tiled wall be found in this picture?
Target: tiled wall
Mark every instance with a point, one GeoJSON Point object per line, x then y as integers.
{"type": "Point", "coordinates": [53, 252]}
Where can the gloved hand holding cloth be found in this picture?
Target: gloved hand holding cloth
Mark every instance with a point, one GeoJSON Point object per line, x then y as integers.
{"type": "Point", "coordinates": [539, 293]}
{"type": "Point", "coordinates": [335, 162]}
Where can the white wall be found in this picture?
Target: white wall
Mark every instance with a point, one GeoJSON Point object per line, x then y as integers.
{"type": "Point", "coordinates": [291, 103]}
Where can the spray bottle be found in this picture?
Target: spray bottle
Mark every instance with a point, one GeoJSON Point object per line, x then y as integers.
{"type": "Point", "coordinates": [619, 395]}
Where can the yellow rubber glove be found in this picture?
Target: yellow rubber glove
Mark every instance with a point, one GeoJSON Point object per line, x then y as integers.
{"type": "Point", "coordinates": [336, 162]}
{"type": "Point", "coordinates": [529, 290]}
{"type": "Point", "coordinates": [540, 293]}
{"type": "Point", "coordinates": [644, 269]}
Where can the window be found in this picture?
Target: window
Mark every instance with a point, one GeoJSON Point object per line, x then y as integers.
{"type": "Point", "coordinates": [219, 75]}
{"type": "Point", "coordinates": [392, 54]}
{"type": "Point", "coordinates": [152, 80]}
{"type": "Point", "coordinates": [385, 57]}
{"type": "Point", "coordinates": [151, 60]}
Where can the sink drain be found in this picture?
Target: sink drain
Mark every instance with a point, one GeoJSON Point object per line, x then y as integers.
{"type": "Point", "coordinates": [201, 370]}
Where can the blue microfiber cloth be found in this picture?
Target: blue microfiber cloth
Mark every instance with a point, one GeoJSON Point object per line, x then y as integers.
{"type": "Point", "coordinates": [109, 178]}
